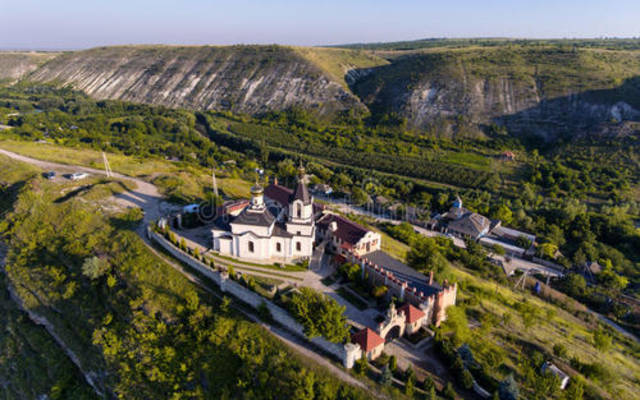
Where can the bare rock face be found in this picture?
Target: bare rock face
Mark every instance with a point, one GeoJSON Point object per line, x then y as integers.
{"type": "Point", "coordinates": [246, 79]}
{"type": "Point", "coordinates": [541, 91]}
{"type": "Point", "coordinates": [14, 65]}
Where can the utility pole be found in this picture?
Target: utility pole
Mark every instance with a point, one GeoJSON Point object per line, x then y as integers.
{"type": "Point", "coordinates": [107, 167]}
{"type": "Point", "coordinates": [522, 280]}
{"type": "Point", "coordinates": [215, 184]}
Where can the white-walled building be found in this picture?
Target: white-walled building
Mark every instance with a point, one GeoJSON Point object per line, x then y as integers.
{"type": "Point", "coordinates": [257, 234]}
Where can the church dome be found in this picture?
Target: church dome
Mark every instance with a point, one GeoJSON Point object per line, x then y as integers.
{"type": "Point", "coordinates": [257, 189]}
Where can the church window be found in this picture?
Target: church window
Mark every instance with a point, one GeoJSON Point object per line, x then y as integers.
{"type": "Point", "coordinates": [251, 248]}
{"type": "Point", "coordinates": [298, 246]}
{"type": "Point", "coordinates": [299, 211]}
{"type": "Point", "coordinates": [278, 247]}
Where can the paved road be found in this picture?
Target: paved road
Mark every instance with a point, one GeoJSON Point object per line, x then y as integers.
{"type": "Point", "coordinates": [147, 197]}
{"type": "Point", "coordinates": [513, 264]}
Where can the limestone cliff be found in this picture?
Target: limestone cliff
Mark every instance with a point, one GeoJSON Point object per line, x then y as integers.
{"type": "Point", "coordinates": [546, 91]}
{"type": "Point", "coordinates": [14, 65]}
{"type": "Point", "coordinates": [246, 79]}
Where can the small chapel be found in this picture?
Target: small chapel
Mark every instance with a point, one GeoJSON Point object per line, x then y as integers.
{"type": "Point", "coordinates": [266, 233]}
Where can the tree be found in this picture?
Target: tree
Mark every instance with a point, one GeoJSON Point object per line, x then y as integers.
{"type": "Point", "coordinates": [498, 249]}
{"type": "Point", "coordinates": [575, 390]}
{"type": "Point", "coordinates": [409, 387]}
{"type": "Point", "coordinates": [225, 304]}
{"type": "Point", "coordinates": [359, 196]}
{"type": "Point", "coordinates": [575, 284]}
{"type": "Point", "coordinates": [351, 271]}
{"type": "Point", "coordinates": [611, 279]}
{"type": "Point", "coordinates": [601, 340]}
{"type": "Point", "coordinates": [386, 377]}
{"type": "Point", "coordinates": [362, 365]}
{"type": "Point", "coordinates": [449, 392]}
{"type": "Point", "coordinates": [508, 389]}
{"type": "Point", "coordinates": [393, 363]}
{"type": "Point", "coordinates": [426, 256]}
{"type": "Point", "coordinates": [467, 379]}
{"type": "Point", "coordinates": [319, 315]}
{"type": "Point", "coordinates": [523, 242]}
{"type": "Point", "coordinates": [431, 393]}
{"type": "Point", "coordinates": [428, 383]}
{"type": "Point", "coordinates": [504, 214]}
{"type": "Point", "coordinates": [547, 250]}
{"type": "Point", "coordinates": [559, 350]}
{"type": "Point", "coordinates": [94, 267]}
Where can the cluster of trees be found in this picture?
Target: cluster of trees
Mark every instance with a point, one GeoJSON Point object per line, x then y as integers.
{"type": "Point", "coordinates": [73, 119]}
{"type": "Point", "coordinates": [319, 315]}
{"type": "Point", "coordinates": [365, 149]}
{"type": "Point", "coordinates": [145, 328]}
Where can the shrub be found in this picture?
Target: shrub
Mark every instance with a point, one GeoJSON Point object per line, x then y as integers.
{"type": "Point", "coordinates": [386, 376]}
{"type": "Point", "coordinates": [559, 350]}
{"type": "Point", "coordinates": [449, 393]}
{"type": "Point", "coordinates": [263, 312]}
{"type": "Point", "coordinates": [393, 363]}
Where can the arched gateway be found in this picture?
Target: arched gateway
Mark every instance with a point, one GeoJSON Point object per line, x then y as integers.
{"type": "Point", "coordinates": [393, 325]}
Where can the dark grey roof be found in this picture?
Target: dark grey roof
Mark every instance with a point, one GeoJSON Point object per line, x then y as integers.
{"type": "Point", "coordinates": [471, 224]}
{"type": "Point", "coordinates": [279, 231]}
{"type": "Point", "coordinates": [222, 223]}
{"type": "Point", "coordinates": [404, 272]}
{"type": "Point", "coordinates": [254, 217]}
{"type": "Point", "coordinates": [302, 193]}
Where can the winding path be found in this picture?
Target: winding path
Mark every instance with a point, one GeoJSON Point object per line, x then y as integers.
{"type": "Point", "coordinates": [148, 198]}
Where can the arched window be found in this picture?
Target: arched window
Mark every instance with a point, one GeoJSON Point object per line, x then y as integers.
{"type": "Point", "coordinates": [251, 248]}
{"type": "Point", "coordinates": [298, 246]}
{"type": "Point", "coordinates": [278, 247]}
{"type": "Point", "coordinates": [299, 211]}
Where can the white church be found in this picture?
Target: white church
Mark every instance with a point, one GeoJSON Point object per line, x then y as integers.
{"type": "Point", "coordinates": [280, 228]}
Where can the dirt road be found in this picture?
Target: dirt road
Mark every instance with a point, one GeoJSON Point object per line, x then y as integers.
{"type": "Point", "coordinates": [147, 197]}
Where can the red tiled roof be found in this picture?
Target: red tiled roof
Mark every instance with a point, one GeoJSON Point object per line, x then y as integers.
{"type": "Point", "coordinates": [367, 339]}
{"type": "Point", "coordinates": [278, 193]}
{"type": "Point", "coordinates": [231, 206]}
{"type": "Point", "coordinates": [412, 314]}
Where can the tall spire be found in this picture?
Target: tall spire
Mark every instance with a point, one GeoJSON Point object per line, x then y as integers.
{"type": "Point", "coordinates": [301, 192]}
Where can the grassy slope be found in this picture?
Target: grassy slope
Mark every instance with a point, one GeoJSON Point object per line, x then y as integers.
{"type": "Point", "coordinates": [337, 62]}
{"type": "Point", "coordinates": [31, 363]}
{"type": "Point", "coordinates": [556, 70]}
{"type": "Point", "coordinates": [160, 292]}
{"type": "Point", "coordinates": [189, 180]}
{"type": "Point", "coordinates": [553, 325]}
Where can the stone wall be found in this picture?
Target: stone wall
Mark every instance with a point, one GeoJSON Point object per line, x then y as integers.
{"type": "Point", "coordinates": [252, 299]}
{"type": "Point", "coordinates": [434, 305]}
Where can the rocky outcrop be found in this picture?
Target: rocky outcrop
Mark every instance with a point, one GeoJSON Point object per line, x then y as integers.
{"type": "Point", "coordinates": [246, 79]}
{"type": "Point", "coordinates": [548, 91]}
{"type": "Point", "coordinates": [14, 65]}
{"type": "Point", "coordinates": [542, 91]}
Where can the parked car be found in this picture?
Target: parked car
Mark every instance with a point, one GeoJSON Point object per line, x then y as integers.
{"type": "Point", "coordinates": [78, 175]}
{"type": "Point", "coordinates": [49, 175]}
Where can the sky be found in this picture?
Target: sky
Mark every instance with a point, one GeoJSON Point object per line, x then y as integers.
{"type": "Point", "coordinates": [77, 24]}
